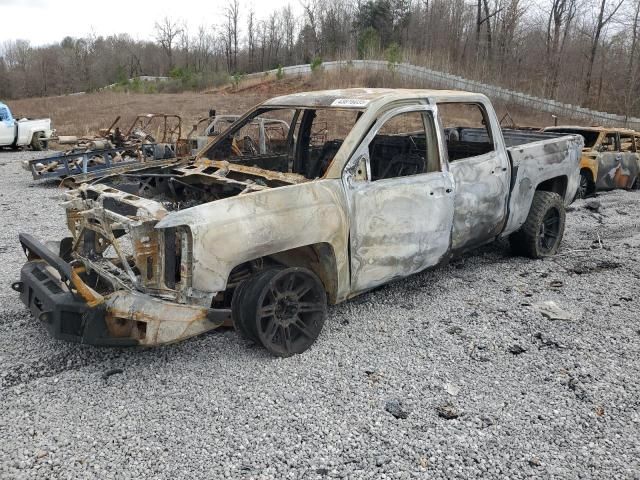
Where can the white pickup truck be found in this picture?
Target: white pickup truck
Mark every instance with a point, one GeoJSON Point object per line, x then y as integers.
{"type": "Point", "coordinates": [23, 132]}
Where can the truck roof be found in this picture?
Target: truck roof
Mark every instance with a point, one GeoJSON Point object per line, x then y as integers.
{"type": "Point", "coordinates": [360, 97]}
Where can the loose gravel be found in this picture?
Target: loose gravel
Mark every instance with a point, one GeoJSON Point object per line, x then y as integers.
{"type": "Point", "coordinates": [450, 373]}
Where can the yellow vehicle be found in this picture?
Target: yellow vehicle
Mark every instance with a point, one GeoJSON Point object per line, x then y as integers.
{"type": "Point", "coordinates": [610, 158]}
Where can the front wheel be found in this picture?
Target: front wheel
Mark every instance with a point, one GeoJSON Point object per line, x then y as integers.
{"type": "Point", "coordinates": [542, 232]}
{"type": "Point", "coordinates": [585, 187]}
{"type": "Point", "coordinates": [285, 309]}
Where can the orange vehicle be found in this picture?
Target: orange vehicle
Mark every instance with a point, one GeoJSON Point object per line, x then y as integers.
{"type": "Point", "coordinates": [610, 158]}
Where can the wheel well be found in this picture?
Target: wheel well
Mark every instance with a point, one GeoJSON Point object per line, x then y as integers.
{"type": "Point", "coordinates": [588, 172]}
{"type": "Point", "coordinates": [556, 185]}
{"type": "Point", "coordinates": [319, 258]}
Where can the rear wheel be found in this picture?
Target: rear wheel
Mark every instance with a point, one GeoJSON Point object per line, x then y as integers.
{"type": "Point", "coordinates": [37, 142]}
{"type": "Point", "coordinates": [542, 232]}
{"type": "Point", "coordinates": [286, 309]}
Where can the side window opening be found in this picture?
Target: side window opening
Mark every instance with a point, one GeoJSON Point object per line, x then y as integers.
{"type": "Point", "coordinates": [405, 145]}
{"type": "Point", "coordinates": [467, 130]}
{"type": "Point", "coordinates": [609, 143]}
{"type": "Point", "coordinates": [626, 143]}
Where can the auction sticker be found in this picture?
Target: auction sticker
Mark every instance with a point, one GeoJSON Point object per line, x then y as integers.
{"type": "Point", "coordinates": [350, 102]}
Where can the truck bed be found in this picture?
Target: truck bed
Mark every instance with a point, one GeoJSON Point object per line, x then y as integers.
{"type": "Point", "coordinates": [533, 163]}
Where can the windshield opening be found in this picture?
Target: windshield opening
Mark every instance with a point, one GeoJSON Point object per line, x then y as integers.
{"type": "Point", "coordinates": [302, 141]}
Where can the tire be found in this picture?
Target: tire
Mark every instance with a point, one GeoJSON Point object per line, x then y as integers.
{"type": "Point", "coordinates": [287, 309]}
{"type": "Point", "coordinates": [585, 187]}
{"type": "Point", "coordinates": [542, 232]}
{"type": "Point", "coordinates": [37, 142]}
{"type": "Point", "coordinates": [237, 302]}
{"type": "Point", "coordinates": [239, 305]}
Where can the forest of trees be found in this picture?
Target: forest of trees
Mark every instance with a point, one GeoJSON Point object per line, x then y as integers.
{"type": "Point", "coordinates": [576, 51]}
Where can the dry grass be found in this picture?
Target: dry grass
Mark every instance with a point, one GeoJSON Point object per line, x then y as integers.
{"type": "Point", "coordinates": [85, 114]}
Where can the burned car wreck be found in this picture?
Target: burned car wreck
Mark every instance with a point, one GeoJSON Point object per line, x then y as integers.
{"type": "Point", "coordinates": [364, 188]}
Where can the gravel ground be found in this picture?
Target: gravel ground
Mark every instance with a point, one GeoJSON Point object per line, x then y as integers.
{"type": "Point", "coordinates": [453, 372]}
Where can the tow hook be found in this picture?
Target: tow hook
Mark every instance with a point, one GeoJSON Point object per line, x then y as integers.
{"type": "Point", "coordinates": [17, 286]}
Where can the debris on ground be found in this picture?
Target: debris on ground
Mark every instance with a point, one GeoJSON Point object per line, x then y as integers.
{"type": "Point", "coordinates": [547, 342]}
{"type": "Point", "coordinates": [113, 371]}
{"type": "Point", "coordinates": [517, 349]}
{"type": "Point", "coordinates": [452, 389]}
{"type": "Point", "coordinates": [447, 411]}
{"type": "Point", "coordinates": [593, 205]}
{"type": "Point", "coordinates": [396, 408]}
{"type": "Point", "coordinates": [553, 311]}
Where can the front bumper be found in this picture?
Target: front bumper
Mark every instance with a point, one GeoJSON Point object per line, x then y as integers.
{"type": "Point", "coordinates": [71, 311]}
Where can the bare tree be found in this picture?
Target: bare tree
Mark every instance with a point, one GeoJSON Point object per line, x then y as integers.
{"type": "Point", "coordinates": [289, 25]}
{"type": "Point", "coordinates": [167, 31]}
{"type": "Point", "coordinates": [232, 16]}
{"type": "Point", "coordinates": [559, 24]}
{"type": "Point", "coordinates": [310, 10]}
{"type": "Point", "coordinates": [631, 76]}
{"type": "Point", "coordinates": [604, 17]}
{"type": "Point", "coordinates": [251, 38]}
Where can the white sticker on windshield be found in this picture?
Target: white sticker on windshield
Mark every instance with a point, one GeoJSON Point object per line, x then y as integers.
{"type": "Point", "coordinates": [350, 102]}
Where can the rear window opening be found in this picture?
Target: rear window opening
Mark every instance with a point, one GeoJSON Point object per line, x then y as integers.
{"type": "Point", "coordinates": [467, 130]}
{"type": "Point", "coordinates": [590, 136]}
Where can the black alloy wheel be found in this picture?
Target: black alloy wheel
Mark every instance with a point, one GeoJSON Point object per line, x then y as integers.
{"type": "Point", "coordinates": [549, 231]}
{"type": "Point", "coordinates": [290, 310]}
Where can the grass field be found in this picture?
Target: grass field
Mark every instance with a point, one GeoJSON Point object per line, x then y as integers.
{"type": "Point", "coordinates": [83, 115]}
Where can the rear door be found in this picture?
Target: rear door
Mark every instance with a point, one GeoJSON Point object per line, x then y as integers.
{"type": "Point", "coordinates": [629, 165]}
{"type": "Point", "coordinates": [480, 168]}
{"type": "Point", "coordinates": [609, 162]}
{"type": "Point", "coordinates": [400, 197]}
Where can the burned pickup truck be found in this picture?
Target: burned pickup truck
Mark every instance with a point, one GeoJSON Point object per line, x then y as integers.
{"type": "Point", "coordinates": [365, 190]}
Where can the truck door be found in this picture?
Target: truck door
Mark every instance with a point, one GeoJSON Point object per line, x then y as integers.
{"type": "Point", "coordinates": [480, 167]}
{"type": "Point", "coordinates": [609, 162]}
{"type": "Point", "coordinates": [629, 166]}
{"type": "Point", "coordinates": [7, 127]}
{"type": "Point", "coordinates": [400, 198]}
